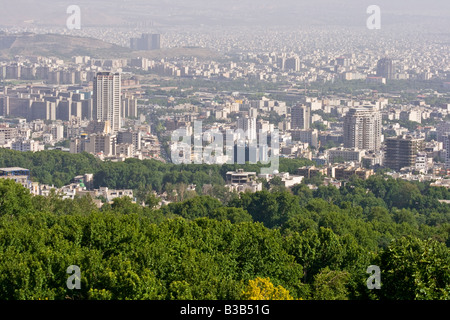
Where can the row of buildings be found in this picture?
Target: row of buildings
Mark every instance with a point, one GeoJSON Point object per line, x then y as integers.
{"type": "Point", "coordinates": [104, 101]}
{"type": "Point", "coordinates": [81, 186]}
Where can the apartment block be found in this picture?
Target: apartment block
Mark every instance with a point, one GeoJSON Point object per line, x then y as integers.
{"type": "Point", "coordinates": [362, 129]}
{"type": "Point", "coordinates": [402, 151]}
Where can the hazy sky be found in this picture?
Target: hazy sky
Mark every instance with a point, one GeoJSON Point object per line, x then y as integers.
{"type": "Point", "coordinates": [223, 12]}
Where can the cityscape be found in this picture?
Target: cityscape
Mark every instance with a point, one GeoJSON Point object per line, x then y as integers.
{"type": "Point", "coordinates": [300, 125]}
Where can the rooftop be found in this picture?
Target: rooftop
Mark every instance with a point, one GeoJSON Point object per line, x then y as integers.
{"type": "Point", "coordinates": [13, 169]}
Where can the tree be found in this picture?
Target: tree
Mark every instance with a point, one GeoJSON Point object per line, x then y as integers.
{"type": "Point", "coordinates": [272, 209]}
{"type": "Point", "coordinates": [14, 198]}
{"type": "Point", "coordinates": [414, 269]}
{"type": "Point", "coordinates": [198, 207]}
{"type": "Point", "coordinates": [316, 180]}
{"type": "Point", "coordinates": [319, 126]}
{"type": "Point", "coordinates": [125, 205]}
{"type": "Point", "coordinates": [330, 285]}
{"type": "Point", "coordinates": [235, 215]}
{"type": "Point", "coordinates": [263, 289]}
{"type": "Point", "coordinates": [152, 201]}
{"type": "Point", "coordinates": [276, 184]}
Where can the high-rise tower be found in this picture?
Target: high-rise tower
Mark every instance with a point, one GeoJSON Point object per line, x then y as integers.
{"type": "Point", "coordinates": [402, 151]}
{"type": "Point", "coordinates": [362, 129]}
{"type": "Point", "coordinates": [385, 68]}
{"type": "Point", "coordinates": [300, 117]}
{"type": "Point", "coordinates": [107, 99]}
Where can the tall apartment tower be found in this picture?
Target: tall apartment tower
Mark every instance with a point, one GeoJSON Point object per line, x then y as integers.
{"type": "Point", "coordinates": [107, 99]}
{"type": "Point", "coordinates": [362, 129]}
{"type": "Point", "coordinates": [248, 125]}
{"type": "Point", "coordinates": [402, 151]}
{"type": "Point", "coordinates": [156, 41]}
{"type": "Point", "coordinates": [447, 149]}
{"type": "Point", "coordinates": [292, 64]}
{"type": "Point", "coordinates": [300, 117]}
{"type": "Point", "coordinates": [385, 68]}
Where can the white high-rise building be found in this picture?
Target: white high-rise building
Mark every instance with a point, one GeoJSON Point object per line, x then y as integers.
{"type": "Point", "coordinates": [57, 132]}
{"type": "Point", "coordinates": [107, 99]}
{"type": "Point", "coordinates": [248, 125]}
{"type": "Point", "coordinates": [362, 129]}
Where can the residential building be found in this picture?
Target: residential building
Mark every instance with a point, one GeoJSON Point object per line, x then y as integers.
{"type": "Point", "coordinates": [402, 151]}
{"type": "Point", "coordinates": [311, 171]}
{"type": "Point", "coordinates": [240, 177]}
{"type": "Point", "coordinates": [343, 154]}
{"type": "Point", "coordinates": [310, 136]}
{"type": "Point", "coordinates": [300, 117]}
{"type": "Point", "coordinates": [344, 172]}
{"type": "Point", "coordinates": [27, 145]}
{"type": "Point", "coordinates": [130, 137]}
{"type": "Point", "coordinates": [421, 164]}
{"type": "Point", "coordinates": [362, 129]}
{"type": "Point", "coordinates": [385, 68]}
{"type": "Point", "coordinates": [107, 99]}
{"type": "Point", "coordinates": [248, 125]}
{"type": "Point", "coordinates": [19, 175]}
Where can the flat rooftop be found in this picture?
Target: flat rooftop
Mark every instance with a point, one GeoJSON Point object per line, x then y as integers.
{"type": "Point", "coordinates": [13, 169]}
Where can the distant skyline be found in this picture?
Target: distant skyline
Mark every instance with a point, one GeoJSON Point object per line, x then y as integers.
{"type": "Point", "coordinates": [225, 13]}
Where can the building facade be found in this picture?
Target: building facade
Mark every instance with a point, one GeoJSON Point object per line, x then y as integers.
{"type": "Point", "coordinates": [362, 129]}
{"type": "Point", "coordinates": [402, 152]}
{"type": "Point", "coordinates": [107, 99]}
{"type": "Point", "coordinates": [300, 117]}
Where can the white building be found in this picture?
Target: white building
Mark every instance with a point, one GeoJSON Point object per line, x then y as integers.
{"type": "Point", "coordinates": [27, 145]}
{"type": "Point", "coordinates": [248, 125]}
{"type": "Point", "coordinates": [421, 162]}
{"type": "Point", "coordinates": [57, 132]}
{"type": "Point", "coordinates": [107, 99]}
{"type": "Point", "coordinates": [286, 179]}
{"type": "Point", "coordinates": [362, 129]}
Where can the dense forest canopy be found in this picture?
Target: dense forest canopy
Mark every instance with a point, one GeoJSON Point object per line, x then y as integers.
{"type": "Point", "coordinates": [58, 168]}
{"type": "Point", "coordinates": [300, 243]}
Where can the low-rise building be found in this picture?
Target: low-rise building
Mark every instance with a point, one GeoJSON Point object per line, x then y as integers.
{"type": "Point", "coordinates": [344, 172]}
{"type": "Point", "coordinates": [19, 175]}
{"type": "Point", "coordinates": [311, 171]}
{"type": "Point", "coordinates": [240, 177]}
{"type": "Point", "coordinates": [344, 154]}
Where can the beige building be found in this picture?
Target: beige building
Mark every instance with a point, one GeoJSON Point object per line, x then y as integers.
{"type": "Point", "coordinates": [107, 99]}
{"type": "Point", "coordinates": [362, 129]}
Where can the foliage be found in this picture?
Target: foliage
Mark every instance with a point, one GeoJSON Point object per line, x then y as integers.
{"type": "Point", "coordinates": [330, 285]}
{"type": "Point", "coordinates": [14, 199]}
{"type": "Point", "coordinates": [263, 289]}
{"type": "Point", "coordinates": [314, 243]}
{"type": "Point", "coordinates": [414, 269]}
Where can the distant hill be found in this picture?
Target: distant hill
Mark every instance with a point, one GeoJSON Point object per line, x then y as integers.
{"type": "Point", "coordinates": [61, 46]}
{"type": "Point", "coordinates": [65, 47]}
